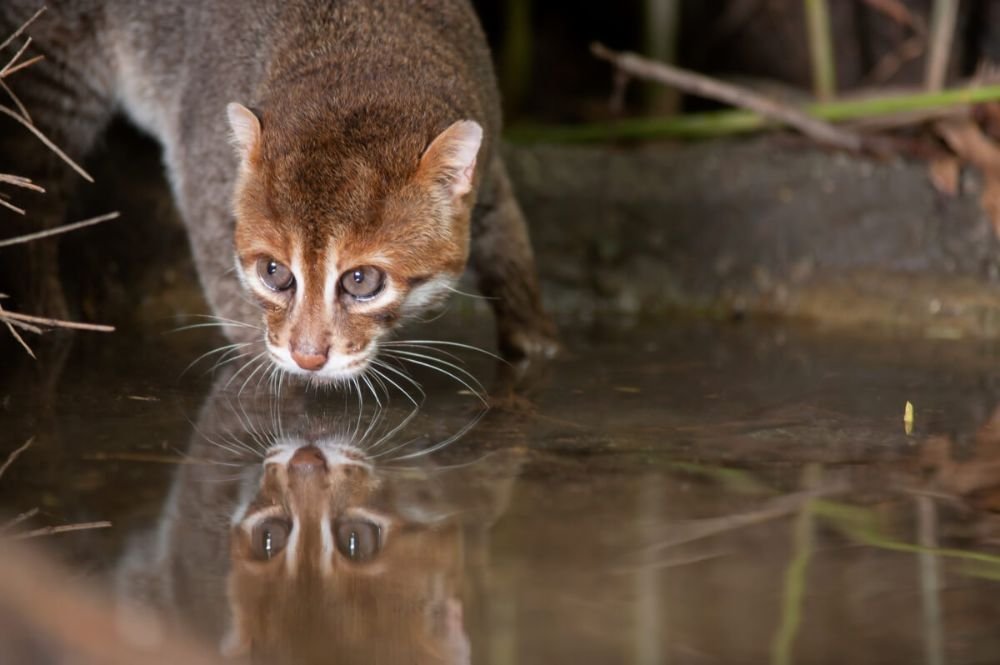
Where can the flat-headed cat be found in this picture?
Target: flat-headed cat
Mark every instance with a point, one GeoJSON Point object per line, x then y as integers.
{"type": "Point", "coordinates": [364, 172]}
{"type": "Point", "coordinates": [291, 540]}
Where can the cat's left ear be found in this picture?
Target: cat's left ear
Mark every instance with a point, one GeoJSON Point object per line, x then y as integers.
{"type": "Point", "coordinates": [451, 157]}
{"type": "Point", "coordinates": [245, 126]}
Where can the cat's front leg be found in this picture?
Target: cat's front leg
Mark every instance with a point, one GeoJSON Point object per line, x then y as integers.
{"type": "Point", "coordinates": [204, 202]}
{"type": "Point", "coordinates": [505, 267]}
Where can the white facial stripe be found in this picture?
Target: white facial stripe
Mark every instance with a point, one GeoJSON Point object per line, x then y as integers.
{"type": "Point", "coordinates": [298, 262]}
{"type": "Point", "coordinates": [241, 273]}
{"type": "Point", "coordinates": [292, 548]}
{"type": "Point", "coordinates": [332, 276]}
{"type": "Point", "coordinates": [326, 537]}
{"type": "Point", "coordinates": [338, 453]}
{"type": "Point", "coordinates": [282, 451]}
{"type": "Point", "coordinates": [388, 295]}
{"type": "Point", "coordinates": [251, 522]}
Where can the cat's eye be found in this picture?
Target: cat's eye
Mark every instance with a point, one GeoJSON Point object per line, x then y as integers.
{"type": "Point", "coordinates": [357, 539]}
{"type": "Point", "coordinates": [269, 537]}
{"type": "Point", "coordinates": [276, 276]}
{"type": "Point", "coordinates": [363, 282]}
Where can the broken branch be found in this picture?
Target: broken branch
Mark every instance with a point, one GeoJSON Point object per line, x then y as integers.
{"type": "Point", "coordinates": [705, 86]}
{"type": "Point", "coordinates": [20, 31]}
{"type": "Point", "coordinates": [50, 530]}
{"type": "Point", "coordinates": [58, 230]}
{"type": "Point", "coordinates": [44, 139]}
{"type": "Point", "coordinates": [53, 323]}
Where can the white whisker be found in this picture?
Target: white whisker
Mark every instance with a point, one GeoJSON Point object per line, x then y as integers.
{"type": "Point", "coordinates": [411, 357]}
{"type": "Point", "coordinates": [244, 367]}
{"type": "Point", "coordinates": [441, 444]}
{"type": "Point", "coordinates": [221, 349]}
{"type": "Point", "coordinates": [372, 390]}
{"type": "Point", "coordinates": [438, 342]}
{"type": "Point", "coordinates": [374, 368]}
{"type": "Point", "coordinates": [477, 296]}
{"type": "Point", "coordinates": [391, 433]}
{"type": "Point", "coordinates": [260, 365]}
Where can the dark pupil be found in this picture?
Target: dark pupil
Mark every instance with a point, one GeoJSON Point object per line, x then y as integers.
{"type": "Point", "coordinates": [358, 276]}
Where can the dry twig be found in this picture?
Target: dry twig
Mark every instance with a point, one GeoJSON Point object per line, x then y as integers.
{"type": "Point", "coordinates": [58, 230]}
{"type": "Point", "coordinates": [43, 531]}
{"type": "Point", "coordinates": [20, 340]}
{"type": "Point", "coordinates": [898, 12]}
{"type": "Point", "coordinates": [53, 323]}
{"type": "Point", "coordinates": [20, 31]}
{"type": "Point", "coordinates": [45, 140]}
{"type": "Point", "coordinates": [704, 86]}
{"type": "Point", "coordinates": [17, 181]}
{"type": "Point", "coordinates": [5, 71]}
{"type": "Point", "coordinates": [14, 455]}
{"type": "Point", "coordinates": [26, 515]}
{"type": "Point", "coordinates": [909, 49]}
{"type": "Point", "coordinates": [64, 528]}
{"type": "Point", "coordinates": [21, 65]}
{"type": "Point", "coordinates": [969, 142]}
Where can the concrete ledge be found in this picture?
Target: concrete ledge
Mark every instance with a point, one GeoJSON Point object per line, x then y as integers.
{"type": "Point", "coordinates": [759, 227]}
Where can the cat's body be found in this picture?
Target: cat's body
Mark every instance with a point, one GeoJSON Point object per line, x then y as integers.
{"type": "Point", "coordinates": [348, 199]}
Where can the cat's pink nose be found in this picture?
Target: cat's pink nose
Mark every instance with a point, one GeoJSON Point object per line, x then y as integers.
{"type": "Point", "coordinates": [309, 359]}
{"type": "Point", "coordinates": [306, 460]}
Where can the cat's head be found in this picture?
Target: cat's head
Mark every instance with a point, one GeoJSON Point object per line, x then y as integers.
{"type": "Point", "coordinates": [338, 243]}
{"type": "Point", "coordinates": [332, 560]}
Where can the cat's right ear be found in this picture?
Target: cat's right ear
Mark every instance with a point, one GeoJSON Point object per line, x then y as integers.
{"type": "Point", "coordinates": [245, 126]}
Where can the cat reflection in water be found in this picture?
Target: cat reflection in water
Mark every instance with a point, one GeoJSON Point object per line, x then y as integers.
{"type": "Point", "coordinates": [306, 548]}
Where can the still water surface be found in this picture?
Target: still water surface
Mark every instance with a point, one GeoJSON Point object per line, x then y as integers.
{"type": "Point", "coordinates": [674, 493]}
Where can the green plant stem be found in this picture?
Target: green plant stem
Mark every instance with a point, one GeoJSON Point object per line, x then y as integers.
{"type": "Point", "coordinates": [824, 72]}
{"type": "Point", "coordinates": [860, 525]}
{"type": "Point", "coordinates": [662, 21]}
{"type": "Point", "coordinates": [803, 546]}
{"type": "Point", "coordinates": [727, 123]}
{"type": "Point", "coordinates": [517, 52]}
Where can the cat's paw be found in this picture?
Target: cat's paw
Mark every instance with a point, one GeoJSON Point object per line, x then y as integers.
{"type": "Point", "coordinates": [527, 343]}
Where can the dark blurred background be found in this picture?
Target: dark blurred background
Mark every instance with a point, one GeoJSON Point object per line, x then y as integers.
{"type": "Point", "coordinates": [548, 74]}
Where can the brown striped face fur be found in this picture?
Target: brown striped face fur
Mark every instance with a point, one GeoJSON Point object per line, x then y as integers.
{"type": "Point", "coordinates": [339, 241]}
{"type": "Point", "coordinates": [336, 561]}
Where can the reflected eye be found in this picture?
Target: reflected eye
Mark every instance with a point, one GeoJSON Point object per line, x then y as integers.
{"type": "Point", "coordinates": [358, 540]}
{"type": "Point", "coordinates": [269, 537]}
{"type": "Point", "coordinates": [363, 282]}
{"type": "Point", "coordinates": [276, 276]}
